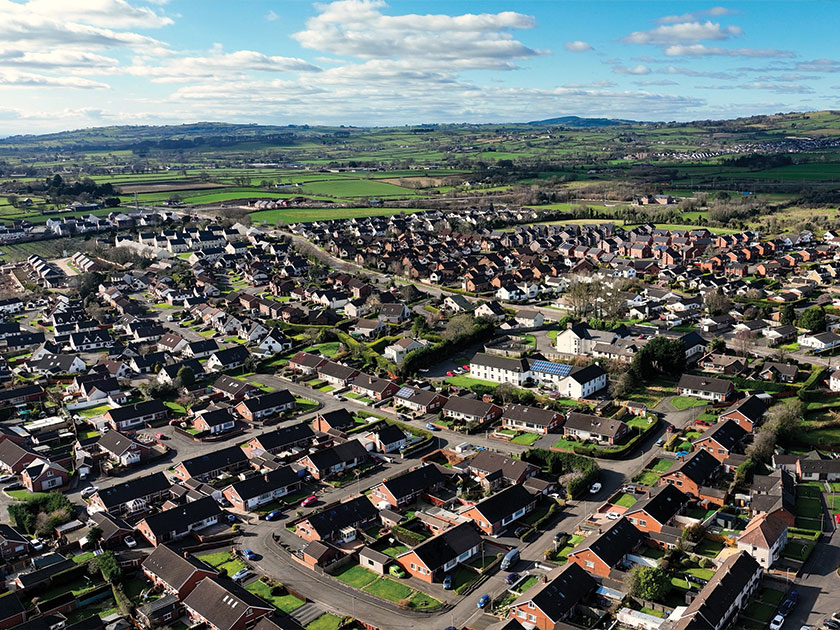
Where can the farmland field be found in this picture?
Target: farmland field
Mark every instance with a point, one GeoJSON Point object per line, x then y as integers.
{"type": "Point", "coordinates": [295, 215]}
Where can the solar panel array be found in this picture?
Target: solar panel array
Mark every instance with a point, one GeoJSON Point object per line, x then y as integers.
{"type": "Point", "coordinates": [547, 367]}
{"type": "Point", "coordinates": [405, 392]}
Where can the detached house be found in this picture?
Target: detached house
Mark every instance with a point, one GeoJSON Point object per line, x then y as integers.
{"type": "Point", "coordinates": [432, 559]}
{"type": "Point", "coordinates": [174, 572]}
{"type": "Point", "coordinates": [259, 489]}
{"type": "Point", "coordinates": [721, 439]}
{"type": "Point", "coordinates": [471, 411]}
{"type": "Point", "coordinates": [180, 521]}
{"type": "Point", "coordinates": [764, 538]}
{"type": "Point", "coordinates": [531, 419]}
{"type": "Point", "coordinates": [600, 553]}
{"type": "Point", "coordinates": [260, 408]}
{"type": "Point", "coordinates": [494, 514]}
{"type": "Point", "coordinates": [714, 389]}
{"type": "Point", "coordinates": [228, 359]}
{"type": "Point", "coordinates": [547, 604]}
{"type": "Point", "coordinates": [331, 461]}
{"type": "Point", "coordinates": [407, 487]}
{"type": "Point", "coordinates": [137, 415]}
{"type": "Point", "coordinates": [374, 388]}
{"type": "Point", "coordinates": [588, 427]}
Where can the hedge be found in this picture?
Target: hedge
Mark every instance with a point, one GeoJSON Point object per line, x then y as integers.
{"type": "Point", "coordinates": [407, 536]}
{"type": "Point", "coordinates": [559, 463]}
{"type": "Point", "coordinates": [546, 518]}
{"type": "Point", "coordinates": [808, 534]}
{"type": "Point", "coordinates": [614, 452]}
{"type": "Point", "coordinates": [808, 392]}
{"type": "Point", "coordinates": [528, 534]}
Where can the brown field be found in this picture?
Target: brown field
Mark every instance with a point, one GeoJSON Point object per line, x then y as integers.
{"type": "Point", "coordinates": [172, 187]}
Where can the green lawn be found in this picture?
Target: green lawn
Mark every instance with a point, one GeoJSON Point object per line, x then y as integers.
{"type": "Point", "coordinates": [662, 465]}
{"type": "Point", "coordinates": [798, 550]}
{"type": "Point", "coordinates": [709, 548]}
{"type": "Point", "coordinates": [625, 500]}
{"type": "Point", "coordinates": [394, 550]}
{"type": "Point", "coordinates": [771, 596]}
{"type": "Point", "coordinates": [569, 445]}
{"type": "Point", "coordinates": [305, 405]}
{"type": "Point", "coordinates": [284, 602]}
{"type": "Point", "coordinates": [760, 612]}
{"type": "Point", "coordinates": [422, 601]}
{"type": "Point", "coordinates": [807, 507]}
{"type": "Point", "coordinates": [647, 478]}
{"type": "Point", "coordinates": [223, 560]}
{"type": "Point", "coordinates": [468, 381]}
{"type": "Point", "coordinates": [90, 412]}
{"type": "Point", "coordinates": [528, 583]}
{"type": "Point", "coordinates": [686, 402]}
{"type": "Point", "coordinates": [327, 621]}
{"type": "Point", "coordinates": [386, 588]}
{"type": "Point", "coordinates": [526, 438]}
{"type": "Point", "coordinates": [24, 495]}
{"type": "Point", "coordinates": [355, 576]}
{"type": "Point", "coordinates": [329, 349]}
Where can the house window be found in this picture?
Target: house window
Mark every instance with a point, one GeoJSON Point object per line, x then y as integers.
{"type": "Point", "coordinates": [590, 564]}
{"type": "Point", "coordinates": [532, 618]}
{"type": "Point", "coordinates": [531, 605]}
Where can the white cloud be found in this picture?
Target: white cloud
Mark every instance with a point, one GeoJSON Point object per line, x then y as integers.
{"type": "Point", "coordinates": [593, 84]}
{"type": "Point", "coordinates": [657, 82]}
{"type": "Point", "coordinates": [699, 73]}
{"type": "Point", "coordinates": [218, 64]}
{"type": "Point", "coordinates": [358, 28]}
{"type": "Point", "coordinates": [577, 46]}
{"type": "Point", "coordinates": [819, 65]}
{"type": "Point", "coordinates": [683, 32]}
{"type": "Point", "coordinates": [56, 59]}
{"type": "Point", "coordinates": [701, 50]}
{"type": "Point", "coordinates": [106, 13]}
{"type": "Point", "coordinates": [640, 69]}
{"type": "Point", "coordinates": [271, 16]}
{"type": "Point", "coordinates": [28, 79]}
{"type": "Point", "coordinates": [696, 15]}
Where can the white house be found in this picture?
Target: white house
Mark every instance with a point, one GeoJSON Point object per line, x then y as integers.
{"type": "Point", "coordinates": [396, 351]}
{"type": "Point", "coordinates": [498, 369]}
{"type": "Point", "coordinates": [819, 341]}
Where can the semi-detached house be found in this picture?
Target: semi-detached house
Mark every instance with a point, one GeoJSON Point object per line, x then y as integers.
{"type": "Point", "coordinates": [266, 406]}
{"type": "Point", "coordinates": [432, 559]}
{"type": "Point", "coordinates": [261, 489]}
{"type": "Point", "coordinates": [137, 415]}
{"type": "Point", "coordinates": [180, 521]}
{"type": "Point", "coordinates": [495, 514]}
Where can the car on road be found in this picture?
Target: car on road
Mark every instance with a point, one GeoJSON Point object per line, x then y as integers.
{"type": "Point", "coordinates": [450, 373]}
{"type": "Point", "coordinates": [511, 578]}
{"type": "Point", "coordinates": [423, 370]}
{"type": "Point", "coordinates": [831, 624]}
{"type": "Point", "coordinates": [250, 555]}
{"type": "Point", "coordinates": [241, 575]}
{"type": "Point", "coordinates": [595, 488]}
{"type": "Point", "coordinates": [6, 478]}
{"type": "Point", "coordinates": [777, 623]}
{"type": "Point", "coordinates": [447, 583]}
{"type": "Point", "coordinates": [559, 536]}
{"type": "Point", "coordinates": [660, 441]}
{"type": "Point", "coordinates": [340, 398]}
{"type": "Point", "coordinates": [483, 601]}
{"type": "Point", "coordinates": [130, 542]}
{"type": "Point", "coordinates": [397, 571]}
{"type": "Point", "coordinates": [274, 515]}
{"type": "Point", "coordinates": [631, 489]}
{"type": "Point", "coordinates": [520, 531]}
{"type": "Point", "coordinates": [308, 501]}
{"type": "Point", "coordinates": [432, 427]}
{"type": "Point", "coordinates": [466, 368]}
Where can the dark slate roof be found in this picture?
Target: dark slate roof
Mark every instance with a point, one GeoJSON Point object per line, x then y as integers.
{"type": "Point", "coordinates": [215, 460]}
{"type": "Point", "coordinates": [10, 606]}
{"type": "Point", "coordinates": [612, 544]}
{"type": "Point", "coordinates": [467, 406]}
{"type": "Point", "coordinates": [262, 484]}
{"type": "Point", "coordinates": [595, 424]}
{"type": "Point", "coordinates": [133, 489]}
{"type": "Point", "coordinates": [504, 503]}
{"type": "Point", "coordinates": [279, 438]}
{"type": "Point", "coordinates": [436, 551]}
{"type": "Point", "coordinates": [502, 363]}
{"type": "Point", "coordinates": [561, 593]}
{"type": "Point", "coordinates": [588, 373]}
{"type": "Point", "coordinates": [230, 385]}
{"type": "Point", "coordinates": [818, 465]}
{"type": "Point", "coordinates": [526, 413]}
{"type": "Point", "coordinates": [728, 434]}
{"type": "Point", "coordinates": [232, 355]}
{"type": "Point", "coordinates": [223, 603]}
{"type": "Point", "coordinates": [110, 525]}
{"type": "Point", "coordinates": [389, 433]}
{"type": "Point", "coordinates": [329, 457]}
{"type": "Point", "coordinates": [710, 607]}
{"type": "Point", "coordinates": [179, 519]}
{"type": "Point", "coordinates": [704, 384]}
{"type": "Point", "coordinates": [338, 418]}
{"type": "Point", "coordinates": [489, 462]}
{"type": "Point", "coordinates": [698, 467]}
{"type": "Point", "coordinates": [217, 416]}
{"type": "Point", "coordinates": [203, 345]}
{"type": "Point", "coordinates": [342, 515]}
{"type": "Point", "coordinates": [115, 442]}
{"type": "Point", "coordinates": [134, 411]}
{"type": "Point", "coordinates": [751, 406]}
{"type": "Point", "coordinates": [172, 567]}
{"type": "Point", "coordinates": [661, 504]}
{"type": "Point", "coordinates": [414, 480]}
{"type": "Point", "coordinates": [267, 401]}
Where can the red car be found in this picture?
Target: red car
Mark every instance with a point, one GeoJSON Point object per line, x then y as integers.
{"type": "Point", "coordinates": [450, 373]}
{"type": "Point", "coordinates": [175, 421]}
{"type": "Point", "coordinates": [308, 501]}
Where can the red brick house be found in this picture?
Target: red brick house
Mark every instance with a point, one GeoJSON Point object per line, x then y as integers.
{"type": "Point", "coordinates": [42, 475]}
{"type": "Point", "coordinates": [496, 513]}
{"type": "Point", "coordinates": [225, 605]}
{"type": "Point", "coordinates": [721, 439]}
{"type": "Point", "coordinates": [657, 509]}
{"type": "Point", "coordinates": [746, 413]}
{"type": "Point", "coordinates": [175, 573]}
{"type": "Point", "coordinates": [432, 559]}
{"type": "Point", "coordinates": [374, 388]}
{"type": "Point", "coordinates": [600, 553]}
{"type": "Point", "coordinates": [546, 605]}
{"type": "Point", "coordinates": [692, 473]}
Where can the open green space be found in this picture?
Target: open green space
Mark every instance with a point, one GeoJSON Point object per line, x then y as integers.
{"type": "Point", "coordinates": [386, 588]}
{"type": "Point", "coordinates": [687, 402]}
{"type": "Point", "coordinates": [526, 438]}
{"type": "Point", "coordinates": [223, 560]}
{"type": "Point", "coordinates": [327, 621]}
{"type": "Point", "coordinates": [283, 601]}
{"type": "Point", "coordinates": [355, 576]}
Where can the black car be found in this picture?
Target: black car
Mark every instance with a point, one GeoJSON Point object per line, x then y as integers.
{"type": "Point", "coordinates": [14, 486]}
{"type": "Point", "coordinates": [447, 583]}
{"type": "Point", "coordinates": [519, 531]}
{"type": "Point", "coordinates": [511, 578]}
{"type": "Point", "coordinates": [831, 624]}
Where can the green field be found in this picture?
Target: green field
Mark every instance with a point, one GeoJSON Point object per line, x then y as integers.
{"type": "Point", "coordinates": [295, 215]}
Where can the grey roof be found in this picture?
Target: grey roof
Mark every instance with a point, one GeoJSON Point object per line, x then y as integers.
{"type": "Point", "coordinates": [705, 384]}
{"type": "Point", "coordinates": [223, 603]}
{"type": "Point", "coordinates": [504, 503]}
{"type": "Point", "coordinates": [557, 597]}
{"type": "Point", "coordinates": [436, 551]}
{"type": "Point", "coordinates": [343, 515]}
{"type": "Point", "coordinates": [501, 363]}
{"type": "Point", "coordinates": [172, 567]}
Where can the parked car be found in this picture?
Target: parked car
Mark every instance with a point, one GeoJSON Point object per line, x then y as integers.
{"type": "Point", "coordinates": [660, 441]}
{"type": "Point", "coordinates": [231, 518]}
{"type": "Point", "coordinates": [519, 531]}
{"type": "Point", "coordinates": [130, 542]}
{"type": "Point", "coordinates": [511, 578]}
{"type": "Point", "coordinates": [777, 623]}
{"type": "Point", "coordinates": [432, 427]}
{"type": "Point", "coordinates": [613, 516]}
{"type": "Point", "coordinates": [447, 582]}
{"type": "Point", "coordinates": [831, 624]}
{"type": "Point", "coordinates": [559, 536]}
{"type": "Point", "coordinates": [397, 571]}
{"type": "Point", "coordinates": [37, 545]}
{"type": "Point", "coordinates": [311, 499]}
{"type": "Point", "coordinates": [483, 601]}
{"type": "Point", "coordinates": [14, 486]}
{"type": "Point", "coordinates": [595, 488]}
{"type": "Point", "coordinates": [174, 421]}
{"type": "Point", "coordinates": [6, 478]}
{"type": "Point", "coordinates": [250, 555]}
{"type": "Point", "coordinates": [273, 515]}
{"type": "Point", "coordinates": [241, 575]}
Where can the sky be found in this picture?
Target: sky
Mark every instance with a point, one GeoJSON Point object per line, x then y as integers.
{"type": "Point", "coordinates": [68, 64]}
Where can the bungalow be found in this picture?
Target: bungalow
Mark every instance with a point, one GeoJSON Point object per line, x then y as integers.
{"type": "Point", "coordinates": [549, 603]}
{"type": "Point", "coordinates": [228, 359]}
{"type": "Point", "coordinates": [721, 439]}
{"type": "Point", "coordinates": [432, 559]}
{"type": "Point", "coordinates": [367, 328]}
{"type": "Point", "coordinates": [374, 388]}
{"type": "Point", "coordinates": [747, 413]}
{"type": "Point", "coordinates": [764, 538]}
{"type": "Point", "coordinates": [492, 469]}
{"type": "Point", "coordinates": [232, 389]}
{"type": "Point", "coordinates": [494, 514]}
{"type": "Point", "coordinates": [585, 426]}
{"type": "Point", "coordinates": [657, 509]}
{"type": "Point", "coordinates": [815, 469]}
{"type": "Point", "coordinates": [407, 487]}
{"type": "Point", "coordinates": [225, 605]}
{"type": "Point", "coordinates": [601, 553]}
{"type": "Point", "coordinates": [819, 341]}
{"type": "Point", "coordinates": [336, 421]}
{"type": "Point", "coordinates": [338, 522]}
{"type": "Point", "coordinates": [201, 349]}
{"type": "Point", "coordinates": [282, 439]}
{"type": "Point", "coordinates": [266, 406]}
{"type": "Point", "coordinates": [336, 374]}
{"type": "Point", "coordinates": [258, 489]}
{"type": "Point", "coordinates": [714, 389]}
{"type": "Point", "coordinates": [395, 313]}
{"type": "Point", "coordinates": [178, 522]}
{"type": "Point", "coordinates": [779, 372]}
{"type": "Point", "coordinates": [123, 449]}
{"type": "Point", "coordinates": [137, 415]}
{"type": "Point", "coordinates": [722, 364]}
{"type": "Point", "coordinates": [531, 419]}
{"type": "Point", "coordinates": [130, 496]}
{"type": "Point", "coordinates": [214, 422]}
{"type": "Point", "coordinates": [334, 460]}
{"type": "Point", "coordinates": [385, 438]}
{"type": "Point", "coordinates": [306, 363]}
{"type": "Point", "coordinates": [470, 410]}
{"type": "Point", "coordinates": [204, 467]}
{"type": "Point", "coordinates": [720, 601]}
{"type": "Point", "coordinates": [420, 400]}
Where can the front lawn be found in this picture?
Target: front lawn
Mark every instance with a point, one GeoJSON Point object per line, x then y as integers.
{"type": "Point", "coordinates": [663, 465]}
{"type": "Point", "coordinates": [421, 601]}
{"type": "Point", "coordinates": [568, 445]}
{"type": "Point", "coordinates": [808, 507]}
{"type": "Point", "coordinates": [467, 381]}
{"type": "Point", "coordinates": [355, 576]}
{"type": "Point", "coordinates": [796, 550]}
{"type": "Point", "coordinates": [283, 602]}
{"type": "Point", "coordinates": [686, 402]}
{"type": "Point", "coordinates": [526, 438]}
{"type": "Point", "coordinates": [223, 560]}
{"type": "Point", "coordinates": [760, 612]}
{"type": "Point", "coordinates": [25, 495]}
{"type": "Point", "coordinates": [327, 621]}
{"type": "Point", "coordinates": [528, 583]}
{"type": "Point", "coordinates": [647, 478]}
{"type": "Point", "coordinates": [625, 500]}
{"type": "Point", "coordinates": [709, 548]}
{"type": "Point", "coordinates": [386, 588]}
{"type": "Point", "coordinates": [90, 412]}
{"type": "Point", "coordinates": [305, 405]}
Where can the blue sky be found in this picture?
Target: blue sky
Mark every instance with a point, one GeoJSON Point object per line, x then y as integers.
{"type": "Point", "coordinates": [66, 65]}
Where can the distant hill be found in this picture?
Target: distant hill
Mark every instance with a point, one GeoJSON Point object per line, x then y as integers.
{"type": "Point", "coordinates": [577, 121]}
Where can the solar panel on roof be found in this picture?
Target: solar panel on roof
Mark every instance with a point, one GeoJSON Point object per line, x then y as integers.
{"type": "Point", "coordinates": [405, 392]}
{"type": "Point", "coordinates": [548, 367]}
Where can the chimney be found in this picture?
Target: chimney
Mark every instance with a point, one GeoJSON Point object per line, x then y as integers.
{"type": "Point", "coordinates": [265, 477]}
{"type": "Point", "coordinates": [648, 494]}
